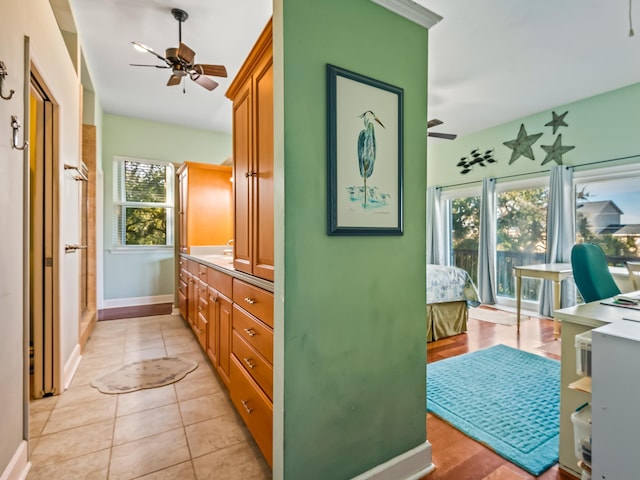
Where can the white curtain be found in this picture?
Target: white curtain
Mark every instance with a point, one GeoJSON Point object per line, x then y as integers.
{"type": "Point", "coordinates": [437, 228]}
{"type": "Point", "coordinates": [487, 246]}
{"type": "Point", "coordinates": [561, 234]}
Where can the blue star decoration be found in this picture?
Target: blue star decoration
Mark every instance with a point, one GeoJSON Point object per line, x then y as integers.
{"type": "Point", "coordinates": [557, 121]}
{"type": "Point", "coordinates": [521, 146]}
{"type": "Point", "coordinates": [555, 151]}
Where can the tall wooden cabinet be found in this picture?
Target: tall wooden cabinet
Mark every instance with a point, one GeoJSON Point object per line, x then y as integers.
{"type": "Point", "coordinates": [205, 205]}
{"type": "Point", "coordinates": [252, 95]}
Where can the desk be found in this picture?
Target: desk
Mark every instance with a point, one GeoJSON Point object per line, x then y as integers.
{"type": "Point", "coordinates": [556, 272]}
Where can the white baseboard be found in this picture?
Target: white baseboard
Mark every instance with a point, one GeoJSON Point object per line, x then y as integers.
{"type": "Point", "coordinates": [19, 465]}
{"type": "Point", "coordinates": [175, 311]}
{"type": "Point", "coordinates": [411, 465]}
{"type": "Point", "coordinates": [71, 366]}
{"type": "Point", "coordinates": [136, 301]}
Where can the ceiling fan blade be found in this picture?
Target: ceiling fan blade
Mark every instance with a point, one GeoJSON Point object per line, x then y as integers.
{"type": "Point", "coordinates": [203, 81]}
{"type": "Point", "coordinates": [447, 136]}
{"type": "Point", "coordinates": [215, 70]}
{"type": "Point", "coordinates": [144, 65]}
{"type": "Point", "coordinates": [150, 50]}
{"type": "Point", "coordinates": [434, 123]}
{"type": "Point", "coordinates": [186, 54]}
{"type": "Point", "coordinates": [174, 80]}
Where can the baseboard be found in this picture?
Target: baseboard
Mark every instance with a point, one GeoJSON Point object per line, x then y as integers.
{"type": "Point", "coordinates": [71, 366]}
{"type": "Point", "coordinates": [411, 465]}
{"type": "Point", "coordinates": [175, 311]}
{"type": "Point", "coordinates": [136, 311]}
{"type": "Point", "coordinates": [136, 301]}
{"type": "Point", "coordinates": [19, 465]}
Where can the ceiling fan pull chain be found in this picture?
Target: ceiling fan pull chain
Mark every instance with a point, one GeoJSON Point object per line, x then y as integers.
{"type": "Point", "coordinates": [631, 32]}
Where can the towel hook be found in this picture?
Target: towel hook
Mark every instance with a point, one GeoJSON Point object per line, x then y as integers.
{"type": "Point", "coordinates": [3, 74]}
{"type": "Point", "coordinates": [15, 125]}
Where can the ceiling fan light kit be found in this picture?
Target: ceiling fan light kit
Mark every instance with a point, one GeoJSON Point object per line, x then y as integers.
{"type": "Point", "coordinates": [181, 60]}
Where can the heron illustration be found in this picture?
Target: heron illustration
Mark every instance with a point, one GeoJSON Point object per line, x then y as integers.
{"type": "Point", "coordinates": [367, 147]}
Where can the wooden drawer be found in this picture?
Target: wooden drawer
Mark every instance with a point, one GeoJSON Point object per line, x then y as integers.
{"type": "Point", "coordinates": [254, 332]}
{"type": "Point", "coordinates": [254, 300]}
{"type": "Point", "coordinates": [183, 275]}
{"type": "Point", "coordinates": [254, 407]}
{"type": "Point", "coordinates": [182, 284]}
{"type": "Point", "coordinates": [202, 272]}
{"type": "Point", "coordinates": [182, 263]}
{"type": "Point", "coordinates": [192, 267]}
{"type": "Point", "coordinates": [203, 290]}
{"type": "Point", "coordinates": [254, 363]}
{"type": "Point", "coordinates": [220, 281]}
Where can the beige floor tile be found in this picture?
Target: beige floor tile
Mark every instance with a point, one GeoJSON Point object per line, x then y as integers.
{"type": "Point", "coordinates": [238, 462]}
{"type": "Point", "coordinates": [194, 387]}
{"type": "Point", "coordinates": [179, 337]}
{"type": "Point", "coordinates": [183, 348]}
{"type": "Point", "coordinates": [211, 435]}
{"type": "Point", "coordinates": [68, 444]}
{"type": "Point", "coordinates": [145, 399]}
{"type": "Point", "coordinates": [84, 375]}
{"type": "Point", "coordinates": [143, 343]}
{"type": "Point", "coordinates": [150, 454]}
{"type": "Point", "coordinates": [182, 471]}
{"type": "Point", "coordinates": [95, 411]}
{"type": "Point", "coordinates": [77, 395]}
{"type": "Point", "coordinates": [110, 358]}
{"type": "Point", "coordinates": [146, 423]}
{"type": "Point", "coordinates": [144, 354]}
{"type": "Point", "coordinates": [37, 422]}
{"type": "Point", "coordinates": [93, 466]}
{"type": "Point", "coordinates": [43, 404]}
{"type": "Point", "coordinates": [205, 408]}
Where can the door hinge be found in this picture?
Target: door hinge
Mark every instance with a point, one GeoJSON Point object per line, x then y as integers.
{"type": "Point", "coordinates": [48, 262]}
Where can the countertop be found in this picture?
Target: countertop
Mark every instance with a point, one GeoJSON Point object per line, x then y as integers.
{"type": "Point", "coordinates": [224, 264]}
{"type": "Point", "coordinates": [595, 314]}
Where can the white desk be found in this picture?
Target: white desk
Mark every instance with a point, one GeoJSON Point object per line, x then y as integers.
{"type": "Point", "coordinates": [556, 272]}
{"type": "Point", "coordinates": [613, 381]}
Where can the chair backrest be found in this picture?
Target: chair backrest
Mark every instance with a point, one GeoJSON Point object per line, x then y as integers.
{"type": "Point", "coordinates": [634, 273]}
{"type": "Point", "coordinates": [591, 272]}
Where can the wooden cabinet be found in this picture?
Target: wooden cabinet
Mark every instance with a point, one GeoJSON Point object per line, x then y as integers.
{"type": "Point", "coordinates": [219, 333]}
{"type": "Point", "coordinates": [205, 205]}
{"type": "Point", "coordinates": [252, 95]}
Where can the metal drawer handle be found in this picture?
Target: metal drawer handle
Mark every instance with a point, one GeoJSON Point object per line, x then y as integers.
{"type": "Point", "coordinates": [214, 300]}
{"type": "Point", "coordinates": [249, 300]}
{"type": "Point", "coordinates": [250, 331]}
{"type": "Point", "coordinates": [249, 363]}
{"type": "Point", "coordinates": [203, 273]}
{"type": "Point", "coordinates": [246, 406]}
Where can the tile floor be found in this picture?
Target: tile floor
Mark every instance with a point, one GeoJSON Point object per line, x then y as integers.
{"type": "Point", "coordinates": [186, 430]}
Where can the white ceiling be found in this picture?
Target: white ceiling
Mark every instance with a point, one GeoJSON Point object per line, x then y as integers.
{"type": "Point", "coordinates": [489, 62]}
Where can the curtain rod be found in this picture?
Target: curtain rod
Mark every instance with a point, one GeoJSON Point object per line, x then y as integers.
{"type": "Point", "coordinates": [585, 166]}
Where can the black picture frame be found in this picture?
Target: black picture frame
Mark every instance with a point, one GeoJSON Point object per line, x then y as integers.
{"type": "Point", "coordinates": [365, 164]}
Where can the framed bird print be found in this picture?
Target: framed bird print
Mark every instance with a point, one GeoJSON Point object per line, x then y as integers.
{"type": "Point", "coordinates": [364, 155]}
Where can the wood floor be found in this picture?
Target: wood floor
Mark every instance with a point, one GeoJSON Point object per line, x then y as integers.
{"type": "Point", "coordinates": [458, 457]}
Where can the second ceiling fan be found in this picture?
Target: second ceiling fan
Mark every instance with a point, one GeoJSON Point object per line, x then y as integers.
{"type": "Point", "coordinates": [181, 60]}
{"type": "Point", "coordinates": [434, 123]}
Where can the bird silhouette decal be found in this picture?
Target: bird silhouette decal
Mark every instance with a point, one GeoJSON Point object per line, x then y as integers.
{"type": "Point", "coordinates": [367, 147]}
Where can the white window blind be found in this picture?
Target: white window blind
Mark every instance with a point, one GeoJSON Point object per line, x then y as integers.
{"type": "Point", "coordinates": [142, 202]}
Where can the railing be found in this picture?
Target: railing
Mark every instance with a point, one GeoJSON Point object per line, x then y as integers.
{"type": "Point", "coordinates": [505, 261]}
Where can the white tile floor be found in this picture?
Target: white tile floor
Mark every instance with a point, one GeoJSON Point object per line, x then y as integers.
{"type": "Point", "coordinates": [186, 430]}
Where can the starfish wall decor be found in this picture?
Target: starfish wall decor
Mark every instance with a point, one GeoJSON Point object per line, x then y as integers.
{"type": "Point", "coordinates": [521, 146]}
{"type": "Point", "coordinates": [557, 121]}
{"type": "Point", "coordinates": [555, 151]}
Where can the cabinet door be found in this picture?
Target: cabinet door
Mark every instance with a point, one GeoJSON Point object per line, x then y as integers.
{"type": "Point", "coordinates": [242, 179]}
{"type": "Point", "coordinates": [192, 298]}
{"type": "Point", "coordinates": [262, 235]}
{"type": "Point", "coordinates": [225, 325]}
{"type": "Point", "coordinates": [213, 342]}
{"type": "Point", "coordinates": [183, 184]}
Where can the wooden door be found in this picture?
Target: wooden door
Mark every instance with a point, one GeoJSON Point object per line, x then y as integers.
{"type": "Point", "coordinates": [225, 329]}
{"type": "Point", "coordinates": [242, 179]}
{"type": "Point", "coordinates": [213, 334]}
{"type": "Point", "coordinates": [262, 235]}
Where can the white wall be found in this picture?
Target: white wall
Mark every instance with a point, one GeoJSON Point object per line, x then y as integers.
{"type": "Point", "coordinates": [32, 18]}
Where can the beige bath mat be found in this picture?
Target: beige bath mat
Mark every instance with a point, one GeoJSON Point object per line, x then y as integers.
{"type": "Point", "coordinates": [144, 374]}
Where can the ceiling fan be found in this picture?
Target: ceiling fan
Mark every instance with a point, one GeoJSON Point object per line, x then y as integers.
{"type": "Point", "coordinates": [181, 60]}
{"type": "Point", "coordinates": [434, 123]}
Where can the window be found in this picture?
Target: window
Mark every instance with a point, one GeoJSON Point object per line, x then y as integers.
{"type": "Point", "coordinates": [465, 227]}
{"type": "Point", "coordinates": [143, 203]}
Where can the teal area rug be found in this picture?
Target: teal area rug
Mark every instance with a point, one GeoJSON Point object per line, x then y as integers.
{"type": "Point", "coordinates": [505, 398]}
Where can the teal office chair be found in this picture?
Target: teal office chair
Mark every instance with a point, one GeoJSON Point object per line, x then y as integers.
{"type": "Point", "coordinates": [591, 272]}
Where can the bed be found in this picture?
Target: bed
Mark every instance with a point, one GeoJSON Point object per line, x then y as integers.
{"type": "Point", "coordinates": [450, 294]}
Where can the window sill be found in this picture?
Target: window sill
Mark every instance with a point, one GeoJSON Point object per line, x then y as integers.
{"type": "Point", "coordinates": [141, 250]}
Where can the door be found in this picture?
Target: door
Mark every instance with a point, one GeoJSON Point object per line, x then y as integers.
{"type": "Point", "coordinates": [43, 222]}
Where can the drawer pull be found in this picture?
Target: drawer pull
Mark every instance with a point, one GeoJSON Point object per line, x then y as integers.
{"type": "Point", "coordinates": [250, 331]}
{"type": "Point", "coordinates": [203, 273]}
{"type": "Point", "coordinates": [249, 363]}
{"type": "Point", "coordinates": [246, 406]}
{"type": "Point", "coordinates": [249, 300]}
{"type": "Point", "coordinates": [200, 307]}
{"type": "Point", "coordinates": [213, 299]}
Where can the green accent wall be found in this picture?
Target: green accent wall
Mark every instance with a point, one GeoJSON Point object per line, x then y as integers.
{"type": "Point", "coordinates": [151, 273]}
{"type": "Point", "coordinates": [601, 127]}
{"type": "Point", "coordinates": [354, 318]}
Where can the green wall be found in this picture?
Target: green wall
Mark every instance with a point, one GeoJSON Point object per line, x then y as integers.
{"type": "Point", "coordinates": [354, 318]}
{"type": "Point", "coordinates": [152, 273]}
{"type": "Point", "coordinates": [602, 127]}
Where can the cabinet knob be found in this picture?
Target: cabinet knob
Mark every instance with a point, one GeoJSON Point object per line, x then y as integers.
{"type": "Point", "coordinates": [250, 174]}
{"type": "Point", "coordinates": [250, 331]}
{"type": "Point", "coordinates": [213, 299]}
{"type": "Point", "coordinates": [249, 300]}
{"type": "Point", "coordinates": [249, 362]}
{"type": "Point", "coordinates": [245, 404]}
